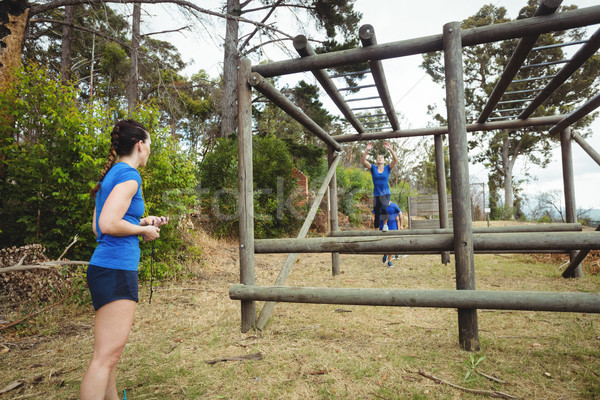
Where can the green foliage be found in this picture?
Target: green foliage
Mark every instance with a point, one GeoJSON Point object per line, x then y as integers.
{"type": "Point", "coordinates": [276, 210]}
{"type": "Point", "coordinates": [472, 364]}
{"type": "Point", "coordinates": [53, 153]}
{"type": "Point", "coordinates": [355, 185]}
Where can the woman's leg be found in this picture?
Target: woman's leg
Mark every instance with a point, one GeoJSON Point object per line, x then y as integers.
{"type": "Point", "coordinates": [111, 329]}
{"type": "Point", "coordinates": [377, 210]}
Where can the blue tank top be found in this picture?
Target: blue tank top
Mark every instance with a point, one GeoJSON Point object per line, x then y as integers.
{"type": "Point", "coordinates": [380, 181]}
{"type": "Point", "coordinates": [119, 252]}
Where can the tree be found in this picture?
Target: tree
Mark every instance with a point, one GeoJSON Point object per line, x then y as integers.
{"type": "Point", "coordinates": [483, 64]}
{"type": "Point", "coordinates": [333, 16]}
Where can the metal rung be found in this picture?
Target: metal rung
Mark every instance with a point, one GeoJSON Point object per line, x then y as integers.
{"type": "Point", "coordinates": [545, 64]}
{"type": "Point", "coordinates": [524, 91]}
{"type": "Point", "coordinates": [534, 79]}
{"type": "Point", "coordinates": [503, 117]}
{"type": "Point", "coordinates": [376, 122]}
{"type": "Point", "coordinates": [510, 109]}
{"type": "Point", "coordinates": [379, 128]}
{"type": "Point", "coordinates": [366, 108]}
{"type": "Point", "coordinates": [357, 87]}
{"type": "Point", "coordinates": [552, 46]}
{"type": "Point", "coordinates": [366, 71]}
{"type": "Point", "coordinates": [514, 101]}
{"type": "Point", "coordinates": [371, 116]}
{"type": "Point", "coordinates": [363, 98]}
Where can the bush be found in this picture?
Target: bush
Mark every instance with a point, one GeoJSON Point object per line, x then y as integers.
{"type": "Point", "coordinates": [276, 211]}
{"type": "Point", "coordinates": [52, 151]}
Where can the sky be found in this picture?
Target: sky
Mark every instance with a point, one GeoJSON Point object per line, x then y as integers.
{"type": "Point", "coordinates": [410, 88]}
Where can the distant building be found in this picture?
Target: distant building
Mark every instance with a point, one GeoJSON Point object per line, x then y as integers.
{"type": "Point", "coordinates": [593, 215]}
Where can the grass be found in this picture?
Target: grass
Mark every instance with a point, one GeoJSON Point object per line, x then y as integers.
{"type": "Point", "coordinates": [321, 351]}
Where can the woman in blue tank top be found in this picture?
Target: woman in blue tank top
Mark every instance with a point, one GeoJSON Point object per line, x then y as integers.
{"type": "Point", "coordinates": [381, 188]}
{"type": "Point", "coordinates": [112, 274]}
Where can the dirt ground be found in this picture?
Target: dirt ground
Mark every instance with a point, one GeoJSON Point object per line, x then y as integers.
{"type": "Point", "coordinates": [187, 344]}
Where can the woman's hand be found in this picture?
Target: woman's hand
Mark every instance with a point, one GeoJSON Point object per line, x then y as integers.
{"type": "Point", "coordinates": [387, 146]}
{"type": "Point", "coordinates": [370, 146]}
{"type": "Point", "coordinates": [156, 221]}
{"type": "Point", "coordinates": [151, 233]}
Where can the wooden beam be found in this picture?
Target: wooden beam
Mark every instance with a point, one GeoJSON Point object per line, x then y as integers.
{"type": "Point", "coordinates": [576, 115]}
{"type": "Point", "coordinates": [396, 244]}
{"type": "Point", "coordinates": [582, 55]}
{"type": "Point", "coordinates": [470, 37]}
{"type": "Point", "coordinates": [246, 191]}
{"type": "Point", "coordinates": [516, 60]}
{"type": "Point", "coordinates": [367, 38]}
{"type": "Point", "coordinates": [304, 48]}
{"type": "Point", "coordinates": [474, 299]}
{"type": "Point", "coordinates": [488, 126]}
{"type": "Point", "coordinates": [263, 86]}
{"type": "Point", "coordinates": [586, 147]}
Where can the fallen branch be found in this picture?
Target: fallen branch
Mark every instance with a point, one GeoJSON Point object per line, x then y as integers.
{"type": "Point", "coordinates": [68, 247]}
{"type": "Point", "coordinates": [11, 386]}
{"type": "Point", "coordinates": [42, 265]}
{"type": "Point", "coordinates": [492, 393]}
{"type": "Point", "coordinates": [30, 315]}
{"type": "Point", "coordinates": [490, 377]}
{"type": "Point", "coordinates": [256, 356]}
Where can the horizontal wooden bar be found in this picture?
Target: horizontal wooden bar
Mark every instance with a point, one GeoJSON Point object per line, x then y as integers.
{"type": "Point", "coordinates": [470, 37]}
{"type": "Point", "coordinates": [468, 299]}
{"type": "Point", "coordinates": [437, 242]}
{"type": "Point", "coordinates": [263, 86]}
{"type": "Point", "coordinates": [440, 130]}
{"type": "Point", "coordinates": [492, 229]}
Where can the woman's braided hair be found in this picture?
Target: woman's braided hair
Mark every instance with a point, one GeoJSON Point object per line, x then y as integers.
{"type": "Point", "coordinates": [124, 136]}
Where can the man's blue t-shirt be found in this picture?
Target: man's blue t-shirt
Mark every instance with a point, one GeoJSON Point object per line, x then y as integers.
{"type": "Point", "coordinates": [119, 252]}
{"type": "Point", "coordinates": [380, 180]}
{"type": "Point", "coordinates": [393, 211]}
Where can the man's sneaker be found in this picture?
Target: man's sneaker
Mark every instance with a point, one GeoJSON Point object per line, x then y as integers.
{"type": "Point", "coordinates": [385, 228]}
{"type": "Point", "coordinates": [384, 259]}
{"type": "Point", "coordinates": [390, 264]}
{"type": "Point", "coordinates": [395, 257]}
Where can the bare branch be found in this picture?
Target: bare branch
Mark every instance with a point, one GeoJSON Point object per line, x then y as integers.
{"type": "Point", "coordinates": [168, 31]}
{"type": "Point", "coordinates": [81, 28]}
{"type": "Point", "coordinates": [68, 247]}
{"type": "Point", "coordinates": [42, 265]}
{"type": "Point", "coordinates": [271, 11]}
{"type": "Point", "coordinates": [40, 8]}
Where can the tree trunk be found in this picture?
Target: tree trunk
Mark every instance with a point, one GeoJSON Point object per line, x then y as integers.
{"type": "Point", "coordinates": [66, 61]}
{"type": "Point", "coordinates": [14, 15]}
{"type": "Point", "coordinates": [507, 167]}
{"type": "Point", "coordinates": [132, 87]}
{"type": "Point", "coordinates": [230, 63]}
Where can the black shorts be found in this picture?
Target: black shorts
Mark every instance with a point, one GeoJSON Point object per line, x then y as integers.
{"type": "Point", "coordinates": [107, 284]}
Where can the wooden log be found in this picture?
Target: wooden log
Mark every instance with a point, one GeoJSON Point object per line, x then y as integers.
{"type": "Point", "coordinates": [488, 126]}
{"type": "Point", "coordinates": [304, 48]}
{"type": "Point", "coordinates": [586, 147]}
{"type": "Point", "coordinates": [440, 170]}
{"type": "Point", "coordinates": [575, 263]}
{"type": "Point", "coordinates": [367, 38]}
{"type": "Point", "coordinates": [396, 244]}
{"type": "Point", "coordinates": [516, 60]}
{"type": "Point", "coordinates": [267, 309]}
{"type": "Point", "coordinates": [492, 229]}
{"type": "Point", "coordinates": [246, 191]}
{"type": "Point", "coordinates": [582, 55]}
{"type": "Point", "coordinates": [263, 86]}
{"type": "Point", "coordinates": [464, 256]}
{"type": "Point", "coordinates": [469, 299]}
{"type": "Point", "coordinates": [576, 115]}
{"type": "Point", "coordinates": [470, 37]}
{"type": "Point", "coordinates": [569, 189]}
{"type": "Point", "coordinates": [332, 161]}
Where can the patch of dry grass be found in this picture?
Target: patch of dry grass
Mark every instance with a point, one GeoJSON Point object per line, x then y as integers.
{"type": "Point", "coordinates": [322, 351]}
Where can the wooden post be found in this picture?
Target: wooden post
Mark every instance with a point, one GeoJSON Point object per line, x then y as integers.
{"type": "Point", "coordinates": [569, 189]}
{"type": "Point", "coordinates": [246, 190]}
{"type": "Point", "coordinates": [333, 210]}
{"type": "Point", "coordinates": [468, 335]}
{"type": "Point", "coordinates": [440, 168]}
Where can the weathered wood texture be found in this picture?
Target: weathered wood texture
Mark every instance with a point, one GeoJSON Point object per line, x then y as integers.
{"type": "Point", "coordinates": [246, 191]}
{"type": "Point", "coordinates": [475, 299]}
